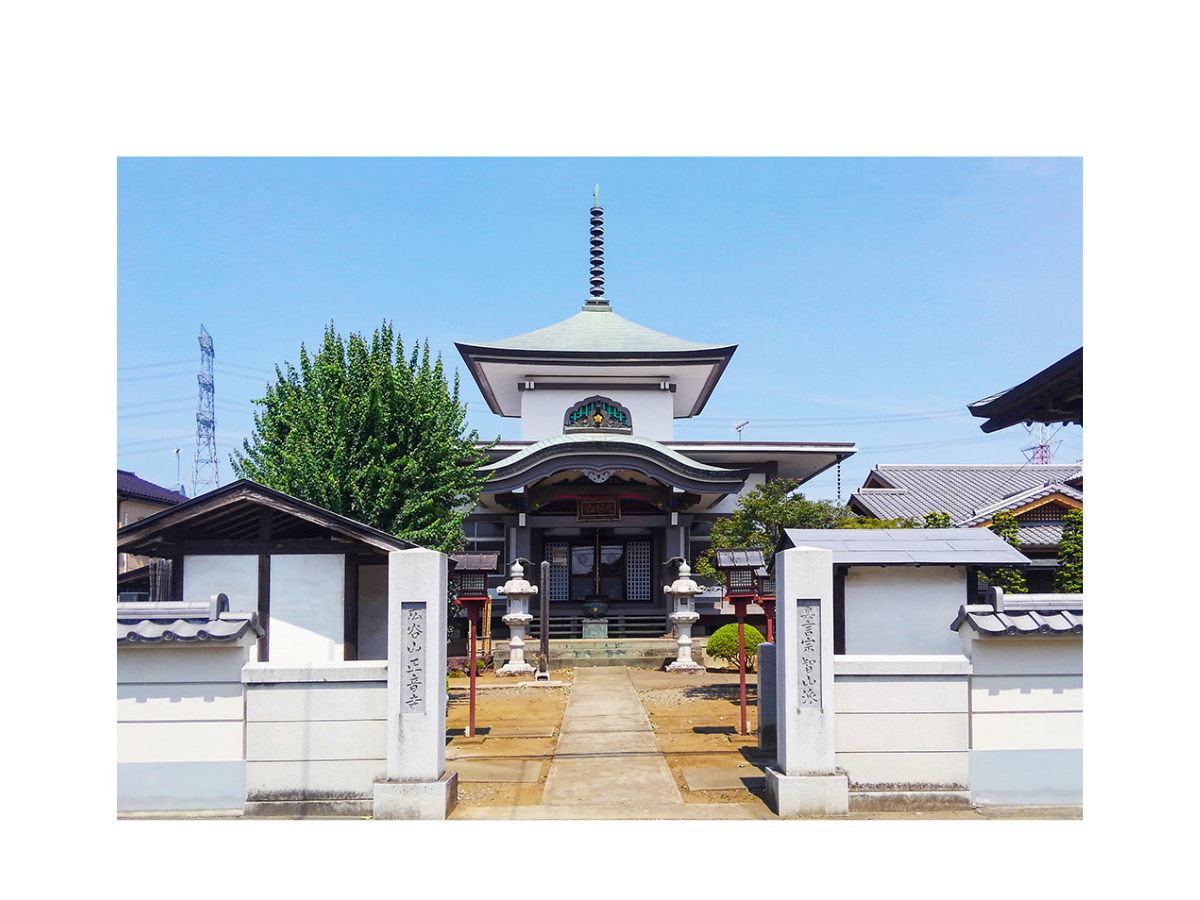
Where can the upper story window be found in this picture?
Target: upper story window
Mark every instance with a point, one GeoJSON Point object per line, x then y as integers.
{"type": "Point", "coordinates": [598, 413]}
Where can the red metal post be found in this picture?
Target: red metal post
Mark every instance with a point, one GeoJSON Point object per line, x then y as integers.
{"type": "Point", "coordinates": [471, 718]}
{"type": "Point", "coordinates": [741, 611]}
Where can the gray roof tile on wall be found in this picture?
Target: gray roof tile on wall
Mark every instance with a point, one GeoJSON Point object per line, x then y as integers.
{"type": "Point", "coordinates": [985, 620]}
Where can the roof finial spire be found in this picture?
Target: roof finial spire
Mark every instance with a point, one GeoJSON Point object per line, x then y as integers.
{"type": "Point", "coordinates": [597, 298]}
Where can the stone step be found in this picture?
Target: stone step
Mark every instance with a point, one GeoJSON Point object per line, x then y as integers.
{"type": "Point", "coordinates": [640, 652]}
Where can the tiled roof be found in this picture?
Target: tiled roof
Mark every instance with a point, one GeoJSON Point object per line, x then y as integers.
{"type": "Point", "coordinates": [986, 620]}
{"type": "Point", "coordinates": [229, 627]}
{"type": "Point", "coordinates": [130, 485]}
{"type": "Point", "coordinates": [192, 622]}
{"type": "Point", "coordinates": [1041, 534]}
{"type": "Point", "coordinates": [960, 490]}
{"type": "Point", "coordinates": [907, 546]}
{"type": "Point", "coordinates": [1022, 498]}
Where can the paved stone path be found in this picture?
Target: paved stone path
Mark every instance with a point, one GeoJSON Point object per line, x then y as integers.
{"type": "Point", "coordinates": [607, 754]}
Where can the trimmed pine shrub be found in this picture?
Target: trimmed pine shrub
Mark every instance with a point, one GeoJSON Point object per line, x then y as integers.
{"type": "Point", "coordinates": [724, 643]}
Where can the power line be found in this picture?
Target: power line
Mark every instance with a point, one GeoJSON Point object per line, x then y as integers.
{"type": "Point", "coordinates": [157, 365]}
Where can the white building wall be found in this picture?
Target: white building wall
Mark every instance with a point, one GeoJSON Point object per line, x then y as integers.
{"type": "Point", "coordinates": [902, 729]}
{"type": "Point", "coordinates": [307, 599]}
{"type": "Point", "coordinates": [729, 504]}
{"type": "Point", "coordinates": [903, 609]}
{"type": "Point", "coordinates": [1026, 720]}
{"type": "Point", "coordinates": [234, 576]}
{"type": "Point", "coordinates": [372, 612]}
{"type": "Point", "coordinates": [315, 733]}
{"type": "Point", "coordinates": [180, 727]}
{"type": "Point", "coordinates": [543, 408]}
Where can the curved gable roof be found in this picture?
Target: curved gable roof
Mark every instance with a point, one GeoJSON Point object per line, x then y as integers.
{"type": "Point", "coordinates": [586, 451]}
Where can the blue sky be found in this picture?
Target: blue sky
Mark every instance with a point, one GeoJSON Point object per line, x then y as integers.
{"type": "Point", "coordinates": [871, 299]}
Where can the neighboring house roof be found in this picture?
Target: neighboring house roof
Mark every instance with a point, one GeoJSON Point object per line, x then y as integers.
{"type": "Point", "coordinates": [1021, 499]}
{"type": "Point", "coordinates": [963, 491]}
{"type": "Point", "coordinates": [234, 513]}
{"type": "Point", "coordinates": [129, 485]}
{"type": "Point", "coordinates": [1054, 394]}
{"type": "Point", "coordinates": [598, 451]}
{"type": "Point", "coordinates": [906, 546]}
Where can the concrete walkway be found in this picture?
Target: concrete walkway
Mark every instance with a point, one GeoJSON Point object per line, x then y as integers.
{"type": "Point", "coordinates": [607, 754]}
{"type": "Point", "coordinates": [608, 765]}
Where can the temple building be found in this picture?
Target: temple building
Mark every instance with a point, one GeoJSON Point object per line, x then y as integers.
{"type": "Point", "coordinates": [598, 485]}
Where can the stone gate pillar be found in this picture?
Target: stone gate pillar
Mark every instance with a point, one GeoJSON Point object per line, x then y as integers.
{"type": "Point", "coordinates": [804, 780]}
{"type": "Point", "coordinates": [417, 785]}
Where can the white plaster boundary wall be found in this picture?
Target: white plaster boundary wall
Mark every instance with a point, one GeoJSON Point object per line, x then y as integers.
{"type": "Point", "coordinates": [180, 730]}
{"type": "Point", "coordinates": [307, 598]}
{"type": "Point", "coordinates": [372, 612]}
{"type": "Point", "coordinates": [1027, 720]}
{"type": "Point", "coordinates": [903, 609]}
{"type": "Point", "coordinates": [315, 737]}
{"type": "Point", "coordinates": [902, 730]}
{"type": "Point", "coordinates": [234, 576]}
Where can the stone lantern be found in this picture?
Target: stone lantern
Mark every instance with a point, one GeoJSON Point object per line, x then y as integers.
{"type": "Point", "coordinates": [518, 591]}
{"type": "Point", "coordinates": [684, 616]}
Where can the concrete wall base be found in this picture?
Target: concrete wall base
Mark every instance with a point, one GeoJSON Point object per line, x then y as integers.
{"type": "Point", "coordinates": [416, 799]}
{"type": "Point", "coordinates": [304, 809]}
{"type": "Point", "coordinates": [796, 796]}
{"type": "Point", "coordinates": [908, 801]}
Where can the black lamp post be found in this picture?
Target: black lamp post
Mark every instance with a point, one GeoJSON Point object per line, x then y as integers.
{"type": "Point", "coordinates": [740, 568]}
{"type": "Point", "coordinates": [470, 577]}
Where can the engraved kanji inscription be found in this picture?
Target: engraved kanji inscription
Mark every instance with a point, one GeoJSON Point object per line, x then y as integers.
{"type": "Point", "coordinates": [809, 668]}
{"type": "Point", "coordinates": [413, 658]}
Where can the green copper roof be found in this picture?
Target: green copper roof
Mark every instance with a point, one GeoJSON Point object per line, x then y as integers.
{"type": "Point", "coordinates": [613, 441]}
{"type": "Point", "coordinates": [599, 330]}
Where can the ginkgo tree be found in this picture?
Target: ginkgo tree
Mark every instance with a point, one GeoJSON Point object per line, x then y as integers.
{"type": "Point", "coordinates": [364, 431]}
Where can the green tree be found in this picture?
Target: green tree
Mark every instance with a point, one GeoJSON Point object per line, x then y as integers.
{"type": "Point", "coordinates": [937, 520]}
{"type": "Point", "coordinates": [367, 434]}
{"type": "Point", "coordinates": [761, 516]}
{"type": "Point", "coordinates": [1068, 578]}
{"type": "Point", "coordinates": [1012, 580]}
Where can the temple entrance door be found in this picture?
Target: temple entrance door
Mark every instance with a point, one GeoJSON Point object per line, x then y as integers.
{"type": "Point", "coordinates": [598, 571]}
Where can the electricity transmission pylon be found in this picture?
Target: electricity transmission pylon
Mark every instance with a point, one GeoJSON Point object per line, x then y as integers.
{"type": "Point", "coordinates": [1040, 450]}
{"type": "Point", "coordinates": [204, 464]}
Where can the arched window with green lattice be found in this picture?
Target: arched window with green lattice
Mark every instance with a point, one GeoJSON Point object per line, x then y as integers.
{"type": "Point", "coordinates": [598, 413]}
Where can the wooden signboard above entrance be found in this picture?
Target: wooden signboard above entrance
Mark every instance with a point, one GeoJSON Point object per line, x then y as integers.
{"type": "Point", "coordinates": [598, 509]}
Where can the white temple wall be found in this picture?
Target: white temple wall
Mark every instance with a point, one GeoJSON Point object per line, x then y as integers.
{"type": "Point", "coordinates": [180, 726]}
{"type": "Point", "coordinates": [903, 609]}
{"type": "Point", "coordinates": [902, 725]}
{"type": "Point", "coordinates": [729, 504]}
{"type": "Point", "coordinates": [1026, 720]}
{"type": "Point", "coordinates": [372, 612]}
{"type": "Point", "coordinates": [307, 598]}
{"type": "Point", "coordinates": [315, 734]}
{"type": "Point", "coordinates": [234, 576]}
{"type": "Point", "coordinates": [543, 408]}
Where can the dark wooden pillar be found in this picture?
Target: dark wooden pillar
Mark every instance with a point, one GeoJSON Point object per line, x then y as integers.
{"type": "Point", "coordinates": [350, 610]}
{"type": "Point", "coordinates": [264, 587]}
{"type": "Point", "coordinates": [839, 610]}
